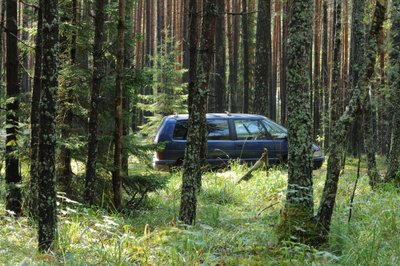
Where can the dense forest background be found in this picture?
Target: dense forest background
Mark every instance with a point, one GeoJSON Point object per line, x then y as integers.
{"type": "Point", "coordinates": [85, 84]}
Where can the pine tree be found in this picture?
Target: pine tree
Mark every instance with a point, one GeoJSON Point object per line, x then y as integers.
{"type": "Point", "coordinates": [341, 127]}
{"type": "Point", "coordinates": [13, 177]}
{"type": "Point", "coordinates": [197, 117]}
{"type": "Point", "coordinates": [98, 73]}
{"type": "Point", "coordinates": [263, 58]}
{"type": "Point", "coordinates": [47, 138]}
{"type": "Point", "coordinates": [116, 174]}
{"type": "Point", "coordinates": [35, 107]}
{"type": "Point", "coordinates": [299, 206]}
{"type": "Point", "coordinates": [393, 173]}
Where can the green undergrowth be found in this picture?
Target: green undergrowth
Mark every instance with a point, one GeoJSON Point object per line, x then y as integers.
{"type": "Point", "coordinates": [236, 225]}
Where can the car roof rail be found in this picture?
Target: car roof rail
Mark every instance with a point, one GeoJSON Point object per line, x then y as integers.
{"type": "Point", "coordinates": [227, 113]}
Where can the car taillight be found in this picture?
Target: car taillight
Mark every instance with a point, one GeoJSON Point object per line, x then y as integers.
{"type": "Point", "coordinates": [159, 155]}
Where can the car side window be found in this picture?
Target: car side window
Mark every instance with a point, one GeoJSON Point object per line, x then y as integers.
{"type": "Point", "coordinates": [275, 130]}
{"type": "Point", "coordinates": [218, 129]}
{"type": "Point", "coordinates": [180, 130]}
{"type": "Point", "coordinates": [250, 130]}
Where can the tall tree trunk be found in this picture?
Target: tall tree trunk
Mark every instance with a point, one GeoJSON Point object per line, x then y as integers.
{"type": "Point", "coordinates": [197, 116]}
{"type": "Point", "coordinates": [234, 60]}
{"type": "Point", "coordinates": [47, 138]}
{"type": "Point", "coordinates": [35, 107]}
{"type": "Point", "coordinates": [370, 137]}
{"type": "Point", "coordinates": [263, 58]}
{"type": "Point", "coordinates": [193, 41]}
{"type": "Point", "coordinates": [185, 39]}
{"type": "Point", "coordinates": [246, 57]}
{"type": "Point", "coordinates": [116, 174]}
{"type": "Point", "coordinates": [13, 177]}
{"type": "Point", "coordinates": [285, 22]}
{"type": "Point", "coordinates": [317, 67]}
{"type": "Point", "coordinates": [275, 64]}
{"type": "Point", "coordinates": [220, 59]}
{"type": "Point", "coordinates": [393, 173]}
{"type": "Point", "coordinates": [365, 68]}
{"type": "Point", "coordinates": [24, 57]}
{"type": "Point", "coordinates": [66, 153]}
{"type": "Point", "coordinates": [298, 211]}
{"type": "Point", "coordinates": [325, 75]}
{"type": "Point", "coordinates": [97, 75]}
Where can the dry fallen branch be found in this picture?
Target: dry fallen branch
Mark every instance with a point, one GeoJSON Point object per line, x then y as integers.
{"type": "Point", "coordinates": [258, 164]}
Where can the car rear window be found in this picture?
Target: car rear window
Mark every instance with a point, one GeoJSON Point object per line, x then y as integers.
{"type": "Point", "coordinates": [217, 129]}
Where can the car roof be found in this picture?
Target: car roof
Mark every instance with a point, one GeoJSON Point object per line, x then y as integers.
{"type": "Point", "coordinates": [217, 115]}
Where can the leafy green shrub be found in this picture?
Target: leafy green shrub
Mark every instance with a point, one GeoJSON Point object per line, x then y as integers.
{"type": "Point", "coordinates": [138, 186]}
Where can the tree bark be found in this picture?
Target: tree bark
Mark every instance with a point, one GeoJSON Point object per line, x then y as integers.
{"type": "Point", "coordinates": [220, 59]}
{"type": "Point", "coordinates": [325, 75]}
{"type": "Point", "coordinates": [197, 116]}
{"type": "Point", "coordinates": [234, 59]}
{"type": "Point", "coordinates": [35, 107]}
{"type": "Point", "coordinates": [47, 138]}
{"type": "Point", "coordinates": [263, 58]}
{"type": "Point", "coordinates": [298, 211]}
{"type": "Point", "coordinates": [13, 177]}
{"type": "Point", "coordinates": [366, 69]}
{"type": "Point", "coordinates": [193, 42]}
{"type": "Point", "coordinates": [275, 61]}
{"type": "Point", "coordinates": [97, 75]}
{"type": "Point", "coordinates": [317, 68]}
{"type": "Point", "coordinates": [246, 57]}
{"type": "Point", "coordinates": [116, 174]}
{"type": "Point", "coordinates": [393, 173]}
{"type": "Point", "coordinates": [285, 22]}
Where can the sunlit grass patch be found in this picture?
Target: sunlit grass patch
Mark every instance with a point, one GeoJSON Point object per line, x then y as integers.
{"type": "Point", "coordinates": [235, 225]}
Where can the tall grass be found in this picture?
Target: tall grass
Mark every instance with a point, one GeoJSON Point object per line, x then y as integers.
{"type": "Point", "coordinates": [235, 226]}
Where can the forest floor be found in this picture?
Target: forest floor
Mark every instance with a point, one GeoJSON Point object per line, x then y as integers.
{"type": "Point", "coordinates": [236, 225]}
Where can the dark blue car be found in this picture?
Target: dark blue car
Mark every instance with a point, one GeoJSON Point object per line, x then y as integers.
{"type": "Point", "coordinates": [229, 136]}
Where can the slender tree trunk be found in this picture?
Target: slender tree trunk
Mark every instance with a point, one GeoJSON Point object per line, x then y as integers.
{"type": "Point", "coordinates": [325, 75]}
{"type": "Point", "coordinates": [275, 65]}
{"type": "Point", "coordinates": [116, 175]}
{"type": "Point", "coordinates": [366, 69]}
{"type": "Point", "coordinates": [234, 60]}
{"type": "Point", "coordinates": [193, 41]}
{"type": "Point", "coordinates": [393, 173]}
{"type": "Point", "coordinates": [285, 23]}
{"type": "Point", "coordinates": [370, 138]}
{"type": "Point", "coordinates": [220, 59]}
{"type": "Point", "coordinates": [246, 57]}
{"type": "Point", "coordinates": [66, 153]}
{"type": "Point", "coordinates": [97, 75]}
{"type": "Point", "coordinates": [263, 58]}
{"type": "Point", "coordinates": [298, 212]}
{"type": "Point", "coordinates": [197, 116]}
{"type": "Point", "coordinates": [13, 177]}
{"type": "Point", "coordinates": [317, 67]}
{"type": "Point", "coordinates": [128, 56]}
{"type": "Point", "coordinates": [24, 57]}
{"type": "Point", "coordinates": [35, 107]}
{"type": "Point", "coordinates": [47, 138]}
{"type": "Point", "coordinates": [185, 39]}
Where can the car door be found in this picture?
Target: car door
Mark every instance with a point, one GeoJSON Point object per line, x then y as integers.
{"type": "Point", "coordinates": [251, 140]}
{"type": "Point", "coordinates": [220, 145]}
